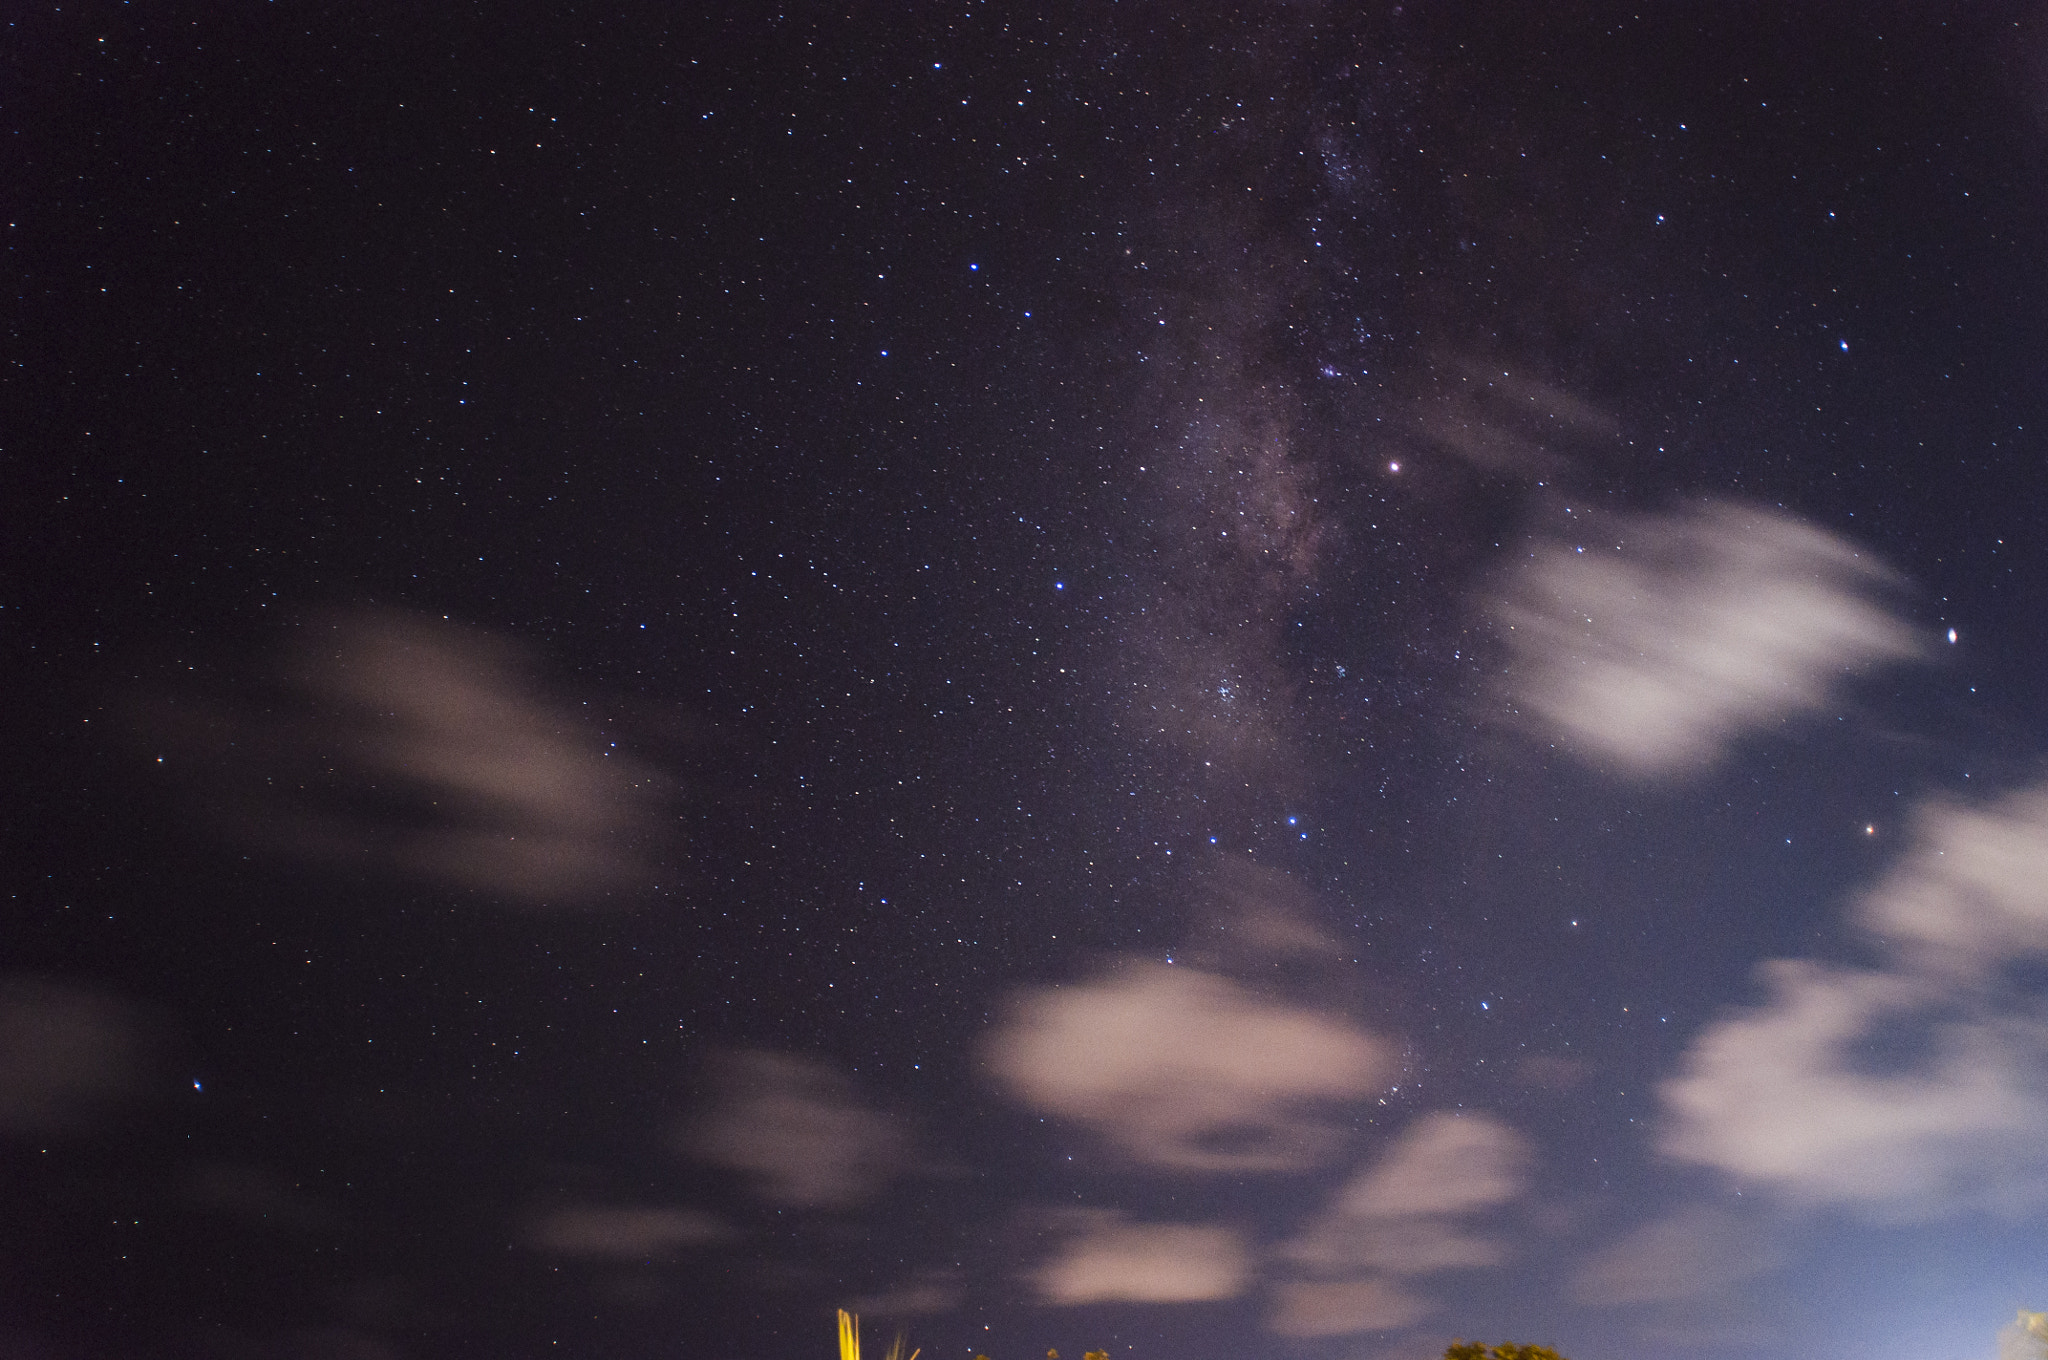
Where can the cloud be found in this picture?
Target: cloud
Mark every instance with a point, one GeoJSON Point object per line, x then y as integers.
{"type": "Point", "coordinates": [1259, 915]}
{"type": "Point", "coordinates": [1400, 1215]}
{"type": "Point", "coordinates": [1783, 1096]}
{"type": "Point", "coordinates": [1338, 1245]}
{"type": "Point", "coordinates": [1112, 1260]}
{"type": "Point", "coordinates": [620, 1232]}
{"type": "Point", "coordinates": [1443, 1164]}
{"type": "Point", "coordinates": [1913, 1090]}
{"type": "Point", "coordinates": [932, 1290]}
{"type": "Point", "coordinates": [1972, 892]}
{"type": "Point", "coordinates": [796, 1126]}
{"type": "Point", "coordinates": [1400, 1218]}
{"type": "Point", "coordinates": [1505, 424]}
{"type": "Point", "coordinates": [424, 748]}
{"type": "Point", "coordinates": [1647, 644]}
{"type": "Point", "coordinates": [1696, 1250]}
{"type": "Point", "coordinates": [1344, 1307]}
{"type": "Point", "coordinates": [66, 1054]}
{"type": "Point", "coordinates": [1184, 1069]}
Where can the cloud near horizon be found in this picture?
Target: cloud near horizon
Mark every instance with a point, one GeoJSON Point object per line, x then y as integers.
{"type": "Point", "coordinates": [1648, 644]}
{"type": "Point", "coordinates": [1972, 892]}
{"type": "Point", "coordinates": [1906, 1092]}
{"type": "Point", "coordinates": [1406, 1215]}
{"type": "Point", "coordinates": [1695, 1250]}
{"type": "Point", "coordinates": [1186, 1070]}
{"type": "Point", "coordinates": [1110, 1259]}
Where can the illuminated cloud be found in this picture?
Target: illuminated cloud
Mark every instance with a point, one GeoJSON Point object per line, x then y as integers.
{"type": "Point", "coordinates": [1401, 1215]}
{"type": "Point", "coordinates": [1259, 914]}
{"type": "Point", "coordinates": [1112, 1260]}
{"type": "Point", "coordinates": [1908, 1091]}
{"type": "Point", "coordinates": [1647, 644]}
{"type": "Point", "coordinates": [1338, 1244]}
{"type": "Point", "coordinates": [1794, 1095]}
{"type": "Point", "coordinates": [620, 1232]}
{"type": "Point", "coordinates": [798, 1129]}
{"type": "Point", "coordinates": [1695, 1251]}
{"type": "Point", "coordinates": [1344, 1307]}
{"type": "Point", "coordinates": [1443, 1164]}
{"type": "Point", "coordinates": [419, 747]}
{"type": "Point", "coordinates": [66, 1054]}
{"type": "Point", "coordinates": [1184, 1069]}
{"type": "Point", "coordinates": [1972, 892]}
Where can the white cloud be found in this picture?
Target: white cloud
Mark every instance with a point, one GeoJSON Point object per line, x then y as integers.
{"type": "Point", "coordinates": [1401, 1215]}
{"type": "Point", "coordinates": [423, 748]}
{"type": "Point", "coordinates": [1112, 1260]}
{"type": "Point", "coordinates": [1405, 1216]}
{"type": "Point", "coordinates": [1776, 1096]}
{"type": "Point", "coordinates": [796, 1126]}
{"type": "Point", "coordinates": [1649, 643]}
{"type": "Point", "coordinates": [1343, 1307]}
{"type": "Point", "coordinates": [1696, 1250]}
{"type": "Point", "coordinates": [66, 1053]}
{"type": "Point", "coordinates": [623, 1232]}
{"type": "Point", "coordinates": [1185, 1069]}
{"type": "Point", "coordinates": [1442, 1164]}
{"type": "Point", "coordinates": [1909, 1091]}
{"type": "Point", "coordinates": [1973, 890]}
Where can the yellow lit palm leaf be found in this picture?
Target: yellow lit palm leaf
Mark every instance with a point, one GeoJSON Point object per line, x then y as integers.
{"type": "Point", "coordinates": [849, 1340]}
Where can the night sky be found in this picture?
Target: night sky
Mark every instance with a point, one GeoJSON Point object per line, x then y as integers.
{"type": "Point", "coordinates": [1279, 680]}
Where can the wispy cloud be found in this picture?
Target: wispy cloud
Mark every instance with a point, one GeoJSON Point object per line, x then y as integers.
{"type": "Point", "coordinates": [798, 1129]}
{"type": "Point", "coordinates": [416, 746]}
{"type": "Point", "coordinates": [1309, 1308]}
{"type": "Point", "coordinates": [1647, 644]}
{"type": "Point", "coordinates": [1972, 892]}
{"type": "Point", "coordinates": [931, 1290]}
{"type": "Point", "coordinates": [1184, 1069]}
{"type": "Point", "coordinates": [1109, 1259]}
{"type": "Point", "coordinates": [67, 1053]}
{"type": "Point", "coordinates": [620, 1232]}
{"type": "Point", "coordinates": [1907, 1091]}
{"type": "Point", "coordinates": [1502, 422]}
{"type": "Point", "coordinates": [1443, 1164]}
{"type": "Point", "coordinates": [1696, 1250]}
{"type": "Point", "coordinates": [1794, 1095]}
{"type": "Point", "coordinates": [1406, 1215]}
